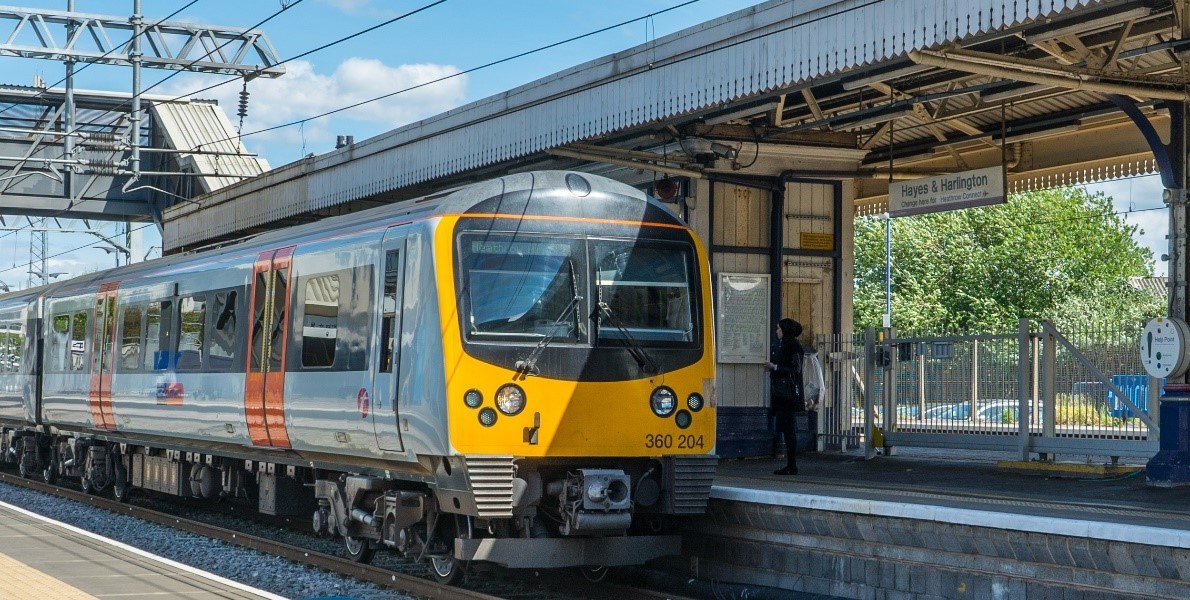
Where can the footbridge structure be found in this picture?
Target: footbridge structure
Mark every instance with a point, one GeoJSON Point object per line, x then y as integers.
{"type": "Point", "coordinates": [772, 128]}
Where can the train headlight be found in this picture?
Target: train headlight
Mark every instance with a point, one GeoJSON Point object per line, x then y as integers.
{"type": "Point", "coordinates": [694, 402]}
{"type": "Point", "coordinates": [663, 401]}
{"type": "Point", "coordinates": [510, 399]}
{"type": "Point", "coordinates": [473, 398]}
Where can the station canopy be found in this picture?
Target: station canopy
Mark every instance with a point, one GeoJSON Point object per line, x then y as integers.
{"type": "Point", "coordinates": [1061, 92]}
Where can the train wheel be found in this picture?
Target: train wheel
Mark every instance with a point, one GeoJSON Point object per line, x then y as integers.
{"type": "Point", "coordinates": [446, 570]}
{"type": "Point", "coordinates": [359, 549]}
{"type": "Point", "coordinates": [87, 485]}
{"type": "Point", "coordinates": [25, 470]}
{"type": "Point", "coordinates": [594, 574]}
{"type": "Point", "coordinates": [121, 490]}
{"type": "Point", "coordinates": [50, 473]}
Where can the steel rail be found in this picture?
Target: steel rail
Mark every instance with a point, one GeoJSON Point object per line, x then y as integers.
{"type": "Point", "coordinates": [398, 581]}
{"type": "Point", "coordinates": [408, 584]}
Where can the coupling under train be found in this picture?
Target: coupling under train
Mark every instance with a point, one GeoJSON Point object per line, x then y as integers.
{"type": "Point", "coordinates": [518, 371]}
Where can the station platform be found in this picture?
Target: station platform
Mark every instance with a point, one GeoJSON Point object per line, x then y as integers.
{"type": "Point", "coordinates": [47, 560]}
{"type": "Point", "coordinates": [928, 524]}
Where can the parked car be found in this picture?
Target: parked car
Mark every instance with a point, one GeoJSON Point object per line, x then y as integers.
{"type": "Point", "coordinates": [1001, 411]}
{"type": "Point", "coordinates": [949, 412]}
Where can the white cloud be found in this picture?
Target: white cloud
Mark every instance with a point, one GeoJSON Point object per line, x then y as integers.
{"type": "Point", "coordinates": [303, 92]}
{"type": "Point", "coordinates": [360, 7]}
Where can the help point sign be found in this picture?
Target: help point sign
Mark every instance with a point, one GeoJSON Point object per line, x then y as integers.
{"type": "Point", "coordinates": [981, 187]}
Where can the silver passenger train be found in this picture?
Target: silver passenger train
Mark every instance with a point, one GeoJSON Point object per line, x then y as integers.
{"type": "Point", "coordinates": [518, 371]}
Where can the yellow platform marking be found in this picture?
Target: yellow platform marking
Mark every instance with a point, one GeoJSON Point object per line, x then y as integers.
{"type": "Point", "coordinates": [19, 581]}
{"type": "Point", "coordinates": [1067, 469]}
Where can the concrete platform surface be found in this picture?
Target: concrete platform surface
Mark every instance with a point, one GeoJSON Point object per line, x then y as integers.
{"type": "Point", "coordinates": [43, 559]}
{"type": "Point", "coordinates": [967, 480]}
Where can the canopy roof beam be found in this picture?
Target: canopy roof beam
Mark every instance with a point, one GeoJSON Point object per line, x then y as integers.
{"type": "Point", "coordinates": [173, 45]}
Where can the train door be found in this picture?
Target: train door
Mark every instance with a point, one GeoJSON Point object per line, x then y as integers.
{"type": "Point", "coordinates": [102, 357]}
{"type": "Point", "coordinates": [385, 416]}
{"type": "Point", "coordinates": [268, 336]}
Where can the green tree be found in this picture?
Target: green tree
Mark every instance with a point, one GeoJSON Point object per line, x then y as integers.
{"type": "Point", "coordinates": [1062, 255]}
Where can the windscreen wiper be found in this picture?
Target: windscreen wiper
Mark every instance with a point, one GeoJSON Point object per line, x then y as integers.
{"type": "Point", "coordinates": [528, 366]}
{"type": "Point", "coordinates": [646, 362]}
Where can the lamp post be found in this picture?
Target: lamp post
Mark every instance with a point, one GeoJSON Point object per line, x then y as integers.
{"type": "Point", "coordinates": [45, 277]}
{"type": "Point", "coordinates": [117, 250]}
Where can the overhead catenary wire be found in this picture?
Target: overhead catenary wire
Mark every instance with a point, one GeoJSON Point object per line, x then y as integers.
{"type": "Point", "coordinates": [1104, 214]}
{"type": "Point", "coordinates": [464, 72]}
{"type": "Point", "coordinates": [41, 95]}
{"type": "Point", "coordinates": [373, 28]}
{"type": "Point", "coordinates": [171, 75]}
{"type": "Point", "coordinates": [507, 59]}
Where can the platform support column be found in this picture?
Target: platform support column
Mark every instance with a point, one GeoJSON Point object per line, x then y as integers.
{"type": "Point", "coordinates": [1171, 465]}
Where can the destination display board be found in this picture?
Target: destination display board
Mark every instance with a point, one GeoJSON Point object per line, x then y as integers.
{"type": "Point", "coordinates": [742, 318]}
{"type": "Point", "coordinates": [981, 187]}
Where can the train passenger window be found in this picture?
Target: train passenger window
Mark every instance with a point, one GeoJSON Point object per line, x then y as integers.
{"type": "Point", "coordinates": [258, 337]}
{"type": "Point", "coordinates": [320, 321]}
{"type": "Point", "coordinates": [16, 342]}
{"type": "Point", "coordinates": [647, 290]}
{"type": "Point", "coordinates": [159, 334]}
{"type": "Point", "coordinates": [130, 339]}
{"type": "Point", "coordinates": [78, 343]}
{"type": "Point", "coordinates": [192, 337]}
{"type": "Point", "coordinates": [388, 323]}
{"type": "Point", "coordinates": [280, 318]}
{"type": "Point", "coordinates": [223, 331]}
{"type": "Point", "coordinates": [57, 354]}
{"type": "Point", "coordinates": [6, 353]}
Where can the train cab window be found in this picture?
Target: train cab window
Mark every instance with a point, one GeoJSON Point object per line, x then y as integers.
{"type": "Point", "coordinates": [78, 343]}
{"type": "Point", "coordinates": [130, 339]}
{"type": "Point", "coordinates": [223, 331]}
{"type": "Point", "coordinates": [320, 321]}
{"type": "Point", "coordinates": [192, 335]}
{"type": "Point", "coordinates": [159, 334]}
{"type": "Point", "coordinates": [388, 323]}
{"type": "Point", "coordinates": [647, 291]}
{"type": "Point", "coordinates": [522, 287]}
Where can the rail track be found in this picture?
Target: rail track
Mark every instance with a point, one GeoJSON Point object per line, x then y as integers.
{"type": "Point", "coordinates": [574, 587]}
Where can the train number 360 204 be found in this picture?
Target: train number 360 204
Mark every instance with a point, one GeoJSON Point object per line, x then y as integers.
{"type": "Point", "coordinates": [667, 441]}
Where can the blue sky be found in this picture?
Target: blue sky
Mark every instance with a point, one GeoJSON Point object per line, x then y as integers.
{"type": "Point", "coordinates": [451, 37]}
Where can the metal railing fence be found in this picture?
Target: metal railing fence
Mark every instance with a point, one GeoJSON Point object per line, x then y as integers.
{"type": "Point", "coordinates": [1035, 391]}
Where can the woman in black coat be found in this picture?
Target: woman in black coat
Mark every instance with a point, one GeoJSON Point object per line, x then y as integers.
{"type": "Point", "coordinates": [785, 380]}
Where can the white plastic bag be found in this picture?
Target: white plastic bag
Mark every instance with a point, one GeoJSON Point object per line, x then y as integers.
{"type": "Point", "coordinates": [812, 382]}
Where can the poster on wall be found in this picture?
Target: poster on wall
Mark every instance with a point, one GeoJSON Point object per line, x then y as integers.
{"type": "Point", "coordinates": [742, 318]}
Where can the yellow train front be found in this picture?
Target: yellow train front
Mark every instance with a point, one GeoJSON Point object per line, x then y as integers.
{"type": "Point", "coordinates": [577, 337]}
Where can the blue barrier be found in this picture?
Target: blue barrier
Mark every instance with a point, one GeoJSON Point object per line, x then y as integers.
{"type": "Point", "coordinates": [1135, 388]}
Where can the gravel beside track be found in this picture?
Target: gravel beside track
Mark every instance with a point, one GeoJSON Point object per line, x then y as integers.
{"type": "Point", "coordinates": [252, 568]}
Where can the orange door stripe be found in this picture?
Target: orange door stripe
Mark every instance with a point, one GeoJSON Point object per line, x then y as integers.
{"type": "Point", "coordinates": [104, 334]}
{"type": "Point", "coordinates": [264, 388]}
{"type": "Point", "coordinates": [274, 397]}
{"type": "Point", "coordinates": [254, 382]}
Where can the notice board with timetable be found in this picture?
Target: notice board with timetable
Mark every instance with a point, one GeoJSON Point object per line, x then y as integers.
{"type": "Point", "coordinates": [742, 318]}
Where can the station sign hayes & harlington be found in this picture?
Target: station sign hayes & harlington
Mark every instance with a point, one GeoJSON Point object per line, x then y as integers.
{"type": "Point", "coordinates": [980, 187]}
